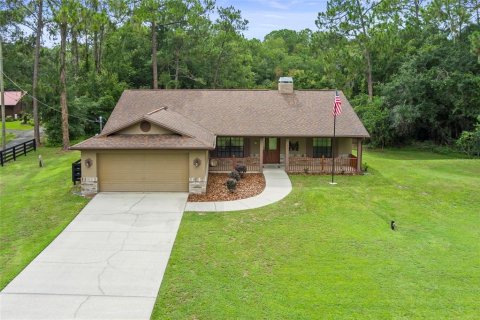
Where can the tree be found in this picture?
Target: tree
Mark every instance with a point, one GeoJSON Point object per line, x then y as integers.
{"type": "Point", "coordinates": [36, 63]}
{"type": "Point", "coordinates": [355, 20]}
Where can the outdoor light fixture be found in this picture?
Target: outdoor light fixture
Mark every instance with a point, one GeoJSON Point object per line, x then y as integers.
{"type": "Point", "coordinates": [197, 162]}
{"type": "Point", "coordinates": [88, 163]}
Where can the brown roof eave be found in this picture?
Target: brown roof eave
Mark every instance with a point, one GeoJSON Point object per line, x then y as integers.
{"type": "Point", "coordinates": [140, 148]}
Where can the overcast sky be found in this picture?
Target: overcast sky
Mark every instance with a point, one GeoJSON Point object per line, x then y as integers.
{"type": "Point", "coordinates": [265, 16]}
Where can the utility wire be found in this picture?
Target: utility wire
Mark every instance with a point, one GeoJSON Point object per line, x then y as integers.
{"type": "Point", "coordinates": [46, 105]}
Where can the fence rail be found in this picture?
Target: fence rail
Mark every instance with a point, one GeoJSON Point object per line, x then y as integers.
{"type": "Point", "coordinates": [322, 165]}
{"type": "Point", "coordinates": [228, 164]}
{"type": "Point", "coordinates": [11, 153]}
{"type": "Point", "coordinates": [76, 171]}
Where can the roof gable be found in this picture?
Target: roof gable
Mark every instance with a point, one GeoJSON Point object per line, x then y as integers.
{"type": "Point", "coordinates": [171, 121]}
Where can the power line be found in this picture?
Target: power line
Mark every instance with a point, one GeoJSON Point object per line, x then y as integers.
{"type": "Point", "coordinates": [43, 103]}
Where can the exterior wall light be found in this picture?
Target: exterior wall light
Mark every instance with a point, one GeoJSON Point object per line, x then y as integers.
{"type": "Point", "coordinates": [197, 162]}
{"type": "Point", "coordinates": [88, 163]}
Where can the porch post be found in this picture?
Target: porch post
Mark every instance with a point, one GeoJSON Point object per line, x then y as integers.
{"type": "Point", "coordinates": [359, 155]}
{"type": "Point", "coordinates": [287, 153]}
{"type": "Point", "coordinates": [262, 147]}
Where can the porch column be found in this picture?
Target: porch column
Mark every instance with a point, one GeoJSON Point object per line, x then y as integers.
{"type": "Point", "coordinates": [359, 155]}
{"type": "Point", "coordinates": [262, 147]}
{"type": "Point", "coordinates": [287, 153]}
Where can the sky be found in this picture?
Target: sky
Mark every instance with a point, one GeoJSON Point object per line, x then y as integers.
{"type": "Point", "coordinates": [265, 16]}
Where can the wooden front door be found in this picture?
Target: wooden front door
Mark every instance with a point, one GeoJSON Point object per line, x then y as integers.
{"type": "Point", "coordinates": [271, 154]}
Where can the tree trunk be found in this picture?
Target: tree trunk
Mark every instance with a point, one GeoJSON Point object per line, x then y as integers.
{"type": "Point", "coordinates": [417, 10]}
{"type": "Point", "coordinates": [63, 85]}
{"type": "Point", "coordinates": [154, 56]}
{"type": "Point", "coordinates": [177, 66]}
{"type": "Point", "coordinates": [87, 62]}
{"type": "Point", "coordinates": [368, 57]}
{"type": "Point", "coordinates": [36, 60]}
{"type": "Point", "coordinates": [95, 50]}
{"type": "Point", "coordinates": [75, 58]}
{"type": "Point", "coordinates": [100, 45]}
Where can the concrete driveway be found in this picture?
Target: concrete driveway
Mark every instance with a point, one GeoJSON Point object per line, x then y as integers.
{"type": "Point", "coordinates": [107, 264]}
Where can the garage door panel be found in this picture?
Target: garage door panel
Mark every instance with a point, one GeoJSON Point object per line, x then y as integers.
{"type": "Point", "coordinates": [143, 172]}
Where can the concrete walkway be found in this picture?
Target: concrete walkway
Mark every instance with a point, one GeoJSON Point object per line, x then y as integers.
{"type": "Point", "coordinates": [107, 264]}
{"type": "Point", "coordinates": [278, 186]}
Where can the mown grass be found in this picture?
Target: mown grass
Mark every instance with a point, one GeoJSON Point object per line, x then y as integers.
{"type": "Point", "coordinates": [9, 137]}
{"type": "Point", "coordinates": [327, 252]}
{"type": "Point", "coordinates": [36, 204]}
{"type": "Point", "coordinates": [17, 125]}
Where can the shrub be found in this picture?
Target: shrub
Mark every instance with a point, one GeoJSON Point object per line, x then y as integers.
{"type": "Point", "coordinates": [365, 166]}
{"type": "Point", "coordinates": [234, 175]}
{"type": "Point", "coordinates": [469, 141]}
{"type": "Point", "coordinates": [241, 169]}
{"type": "Point", "coordinates": [231, 184]}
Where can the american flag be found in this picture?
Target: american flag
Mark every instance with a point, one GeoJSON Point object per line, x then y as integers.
{"type": "Point", "coordinates": [337, 105]}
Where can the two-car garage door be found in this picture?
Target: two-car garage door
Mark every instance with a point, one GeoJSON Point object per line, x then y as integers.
{"type": "Point", "coordinates": [143, 171]}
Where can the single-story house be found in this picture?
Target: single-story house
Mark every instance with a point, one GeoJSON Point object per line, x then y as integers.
{"type": "Point", "coordinates": [169, 140]}
{"type": "Point", "coordinates": [13, 103]}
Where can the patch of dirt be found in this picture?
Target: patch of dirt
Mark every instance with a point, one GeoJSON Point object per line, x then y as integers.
{"type": "Point", "coordinates": [251, 185]}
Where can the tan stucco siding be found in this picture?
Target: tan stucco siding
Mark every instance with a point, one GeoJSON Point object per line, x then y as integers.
{"type": "Point", "coordinates": [201, 170]}
{"type": "Point", "coordinates": [254, 146]}
{"type": "Point", "coordinates": [92, 171]}
{"type": "Point", "coordinates": [343, 146]}
{"type": "Point", "coordinates": [135, 129]}
{"type": "Point", "coordinates": [302, 146]}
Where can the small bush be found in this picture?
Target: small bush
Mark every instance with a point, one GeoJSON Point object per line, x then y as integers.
{"type": "Point", "coordinates": [9, 119]}
{"type": "Point", "coordinates": [365, 166]}
{"type": "Point", "coordinates": [234, 175]}
{"type": "Point", "coordinates": [241, 169]}
{"type": "Point", "coordinates": [231, 185]}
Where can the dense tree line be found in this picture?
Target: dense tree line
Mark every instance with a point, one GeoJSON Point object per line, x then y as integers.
{"type": "Point", "coordinates": [411, 68]}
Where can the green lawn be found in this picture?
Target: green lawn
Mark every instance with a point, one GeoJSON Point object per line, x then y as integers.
{"type": "Point", "coordinates": [35, 205]}
{"type": "Point", "coordinates": [17, 125]}
{"type": "Point", "coordinates": [328, 252]}
{"type": "Point", "coordinates": [10, 137]}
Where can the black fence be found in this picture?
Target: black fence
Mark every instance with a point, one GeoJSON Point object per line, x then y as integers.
{"type": "Point", "coordinates": [76, 171]}
{"type": "Point", "coordinates": [12, 153]}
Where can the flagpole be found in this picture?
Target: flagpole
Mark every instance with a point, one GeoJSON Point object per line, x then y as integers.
{"type": "Point", "coordinates": [333, 148]}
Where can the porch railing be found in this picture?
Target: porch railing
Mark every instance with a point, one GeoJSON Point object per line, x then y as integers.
{"type": "Point", "coordinates": [228, 164]}
{"type": "Point", "coordinates": [321, 165]}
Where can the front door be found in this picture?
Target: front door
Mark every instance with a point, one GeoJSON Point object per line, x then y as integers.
{"type": "Point", "coordinates": [271, 154]}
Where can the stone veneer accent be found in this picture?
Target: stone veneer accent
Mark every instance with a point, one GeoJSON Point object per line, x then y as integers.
{"type": "Point", "coordinates": [197, 185]}
{"type": "Point", "coordinates": [89, 185]}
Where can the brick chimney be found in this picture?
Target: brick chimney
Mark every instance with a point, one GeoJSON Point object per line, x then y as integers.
{"type": "Point", "coordinates": [285, 85]}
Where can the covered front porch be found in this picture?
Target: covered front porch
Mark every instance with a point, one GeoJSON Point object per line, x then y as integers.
{"type": "Point", "coordinates": [294, 154]}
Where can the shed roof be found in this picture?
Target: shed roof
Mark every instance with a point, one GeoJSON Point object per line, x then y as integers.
{"type": "Point", "coordinates": [13, 97]}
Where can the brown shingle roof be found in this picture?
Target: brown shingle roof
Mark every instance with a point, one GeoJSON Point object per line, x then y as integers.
{"type": "Point", "coordinates": [169, 120]}
{"type": "Point", "coordinates": [245, 112]}
{"type": "Point", "coordinates": [141, 141]}
{"type": "Point", "coordinates": [199, 115]}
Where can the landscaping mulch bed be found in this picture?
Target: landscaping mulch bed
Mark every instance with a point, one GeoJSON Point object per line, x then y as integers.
{"type": "Point", "coordinates": [251, 185]}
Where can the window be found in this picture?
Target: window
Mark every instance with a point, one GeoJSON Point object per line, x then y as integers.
{"type": "Point", "coordinates": [272, 143]}
{"type": "Point", "coordinates": [322, 147]}
{"type": "Point", "coordinates": [228, 147]}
